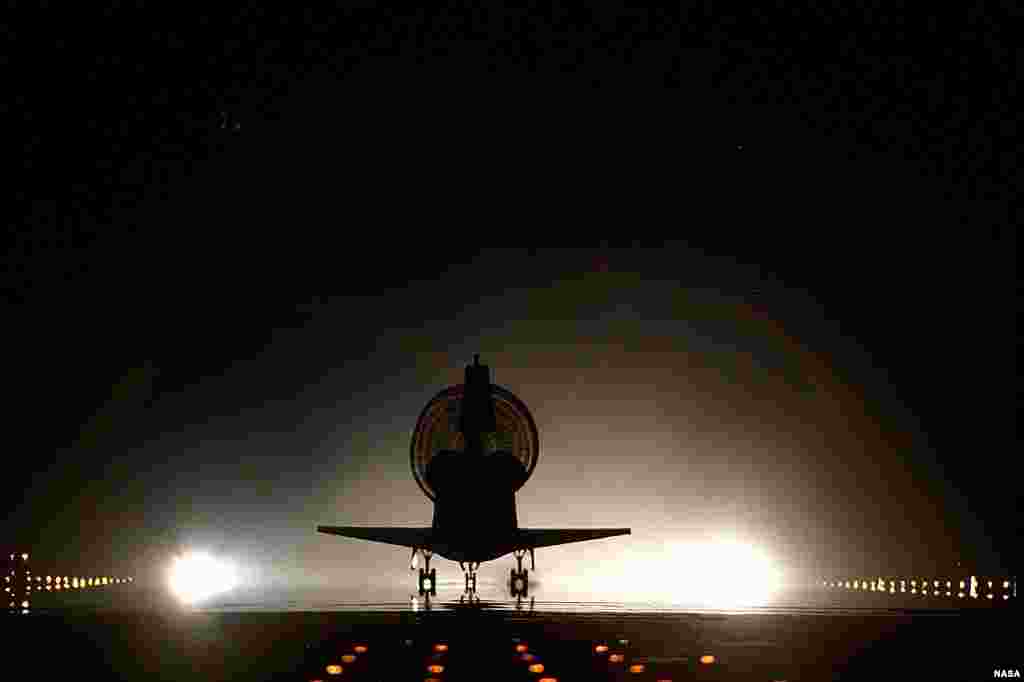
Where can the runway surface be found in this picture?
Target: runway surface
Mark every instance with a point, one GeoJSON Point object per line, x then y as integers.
{"type": "Point", "coordinates": [302, 633]}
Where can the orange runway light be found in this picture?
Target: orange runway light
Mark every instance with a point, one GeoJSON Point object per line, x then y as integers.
{"type": "Point", "coordinates": [520, 648]}
{"type": "Point", "coordinates": [359, 649]}
{"type": "Point", "coordinates": [436, 669]}
{"type": "Point", "coordinates": [348, 658]}
{"type": "Point", "coordinates": [615, 658]}
{"type": "Point", "coordinates": [441, 647]}
{"type": "Point", "coordinates": [536, 668]}
{"type": "Point", "coordinates": [527, 657]}
{"type": "Point", "coordinates": [707, 659]}
{"type": "Point", "coordinates": [636, 668]}
{"type": "Point", "coordinates": [600, 649]}
{"type": "Point", "coordinates": [334, 670]}
{"type": "Point", "coordinates": [548, 679]}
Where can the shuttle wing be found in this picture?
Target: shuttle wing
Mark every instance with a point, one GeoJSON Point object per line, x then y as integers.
{"type": "Point", "coordinates": [548, 537]}
{"type": "Point", "coordinates": [404, 537]}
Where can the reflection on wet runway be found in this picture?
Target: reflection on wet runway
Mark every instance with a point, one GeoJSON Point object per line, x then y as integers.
{"type": "Point", "coordinates": [860, 626]}
{"type": "Point", "coordinates": [304, 634]}
{"type": "Point", "coordinates": [827, 598]}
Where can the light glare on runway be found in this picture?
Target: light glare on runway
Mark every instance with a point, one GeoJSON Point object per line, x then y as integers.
{"type": "Point", "coordinates": [197, 576]}
{"type": "Point", "coordinates": [719, 573]}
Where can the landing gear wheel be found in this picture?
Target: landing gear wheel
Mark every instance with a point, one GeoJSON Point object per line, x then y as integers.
{"type": "Point", "coordinates": [428, 582]}
{"type": "Point", "coordinates": [519, 583]}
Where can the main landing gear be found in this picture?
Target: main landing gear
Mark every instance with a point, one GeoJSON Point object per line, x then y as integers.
{"type": "Point", "coordinates": [470, 596]}
{"type": "Point", "coordinates": [428, 575]}
{"type": "Point", "coordinates": [470, 575]}
{"type": "Point", "coordinates": [519, 579]}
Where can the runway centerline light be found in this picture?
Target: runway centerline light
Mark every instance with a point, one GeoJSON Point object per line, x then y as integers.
{"type": "Point", "coordinates": [359, 649]}
{"type": "Point", "coordinates": [334, 669]}
{"type": "Point", "coordinates": [707, 659]}
{"type": "Point", "coordinates": [348, 658]}
{"type": "Point", "coordinates": [536, 668]}
{"type": "Point", "coordinates": [615, 658]}
{"type": "Point", "coordinates": [441, 648]}
{"type": "Point", "coordinates": [636, 668]}
{"type": "Point", "coordinates": [436, 669]}
{"type": "Point", "coordinates": [601, 649]}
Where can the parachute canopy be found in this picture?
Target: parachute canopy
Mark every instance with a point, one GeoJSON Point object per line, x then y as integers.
{"type": "Point", "coordinates": [437, 431]}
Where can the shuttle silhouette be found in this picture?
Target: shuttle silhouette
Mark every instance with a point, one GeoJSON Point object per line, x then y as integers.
{"type": "Point", "coordinates": [475, 445]}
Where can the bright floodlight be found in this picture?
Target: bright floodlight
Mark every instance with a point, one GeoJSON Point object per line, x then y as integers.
{"type": "Point", "coordinates": [197, 576]}
{"type": "Point", "coordinates": [725, 573]}
{"type": "Point", "coordinates": [717, 573]}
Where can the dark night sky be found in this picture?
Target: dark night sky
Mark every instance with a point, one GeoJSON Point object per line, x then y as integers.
{"type": "Point", "coordinates": [251, 247]}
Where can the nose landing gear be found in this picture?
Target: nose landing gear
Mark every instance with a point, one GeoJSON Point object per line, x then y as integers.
{"type": "Point", "coordinates": [470, 575]}
{"type": "Point", "coordinates": [519, 578]}
{"type": "Point", "coordinates": [427, 575]}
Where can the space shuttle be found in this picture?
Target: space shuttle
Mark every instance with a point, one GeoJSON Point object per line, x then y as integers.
{"type": "Point", "coordinates": [474, 446]}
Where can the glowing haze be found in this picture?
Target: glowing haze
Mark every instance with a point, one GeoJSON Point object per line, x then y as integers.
{"type": "Point", "coordinates": [741, 436]}
{"type": "Point", "coordinates": [197, 576]}
{"type": "Point", "coordinates": [715, 573]}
